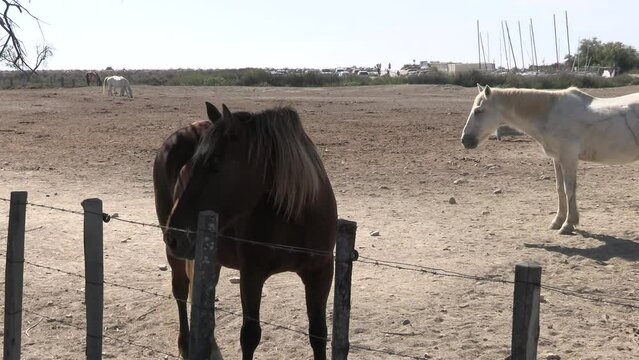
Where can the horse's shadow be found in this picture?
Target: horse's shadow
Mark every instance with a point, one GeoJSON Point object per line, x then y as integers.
{"type": "Point", "coordinates": [612, 247]}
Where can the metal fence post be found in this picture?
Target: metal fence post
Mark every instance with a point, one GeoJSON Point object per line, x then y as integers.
{"type": "Point", "coordinates": [202, 344]}
{"type": "Point", "coordinates": [14, 276]}
{"type": "Point", "coordinates": [526, 311]}
{"type": "Point", "coordinates": [94, 276]}
{"type": "Point", "coordinates": [344, 256]}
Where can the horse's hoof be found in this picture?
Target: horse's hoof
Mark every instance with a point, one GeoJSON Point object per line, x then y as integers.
{"type": "Point", "coordinates": [556, 225]}
{"type": "Point", "coordinates": [567, 229]}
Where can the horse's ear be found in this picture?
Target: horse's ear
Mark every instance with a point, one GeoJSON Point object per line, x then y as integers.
{"type": "Point", "coordinates": [212, 112]}
{"type": "Point", "coordinates": [480, 88]}
{"type": "Point", "coordinates": [226, 113]}
{"type": "Point", "coordinates": [487, 91]}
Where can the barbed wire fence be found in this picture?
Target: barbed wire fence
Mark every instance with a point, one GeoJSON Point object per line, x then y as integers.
{"type": "Point", "coordinates": [623, 301]}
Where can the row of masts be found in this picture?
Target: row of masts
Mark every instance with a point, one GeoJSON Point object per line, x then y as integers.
{"type": "Point", "coordinates": [507, 50]}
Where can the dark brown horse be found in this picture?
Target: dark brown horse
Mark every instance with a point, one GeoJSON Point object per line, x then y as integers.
{"type": "Point", "coordinates": [93, 76]}
{"type": "Point", "coordinates": [261, 173]}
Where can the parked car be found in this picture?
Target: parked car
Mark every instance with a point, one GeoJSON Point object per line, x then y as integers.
{"type": "Point", "coordinates": [362, 73]}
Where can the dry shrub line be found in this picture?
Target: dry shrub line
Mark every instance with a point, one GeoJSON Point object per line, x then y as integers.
{"type": "Point", "coordinates": [115, 339]}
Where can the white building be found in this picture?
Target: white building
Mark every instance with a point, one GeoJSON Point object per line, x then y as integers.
{"type": "Point", "coordinates": [451, 67]}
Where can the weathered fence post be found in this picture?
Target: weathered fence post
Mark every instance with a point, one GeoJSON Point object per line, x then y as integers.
{"type": "Point", "coordinates": [344, 256]}
{"type": "Point", "coordinates": [526, 311]}
{"type": "Point", "coordinates": [14, 276]}
{"type": "Point", "coordinates": [202, 344]}
{"type": "Point", "coordinates": [94, 276]}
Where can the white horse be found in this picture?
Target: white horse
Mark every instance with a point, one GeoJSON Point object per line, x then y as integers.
{"type": "Point", "coordinates": [117, 82]}
{"type": "Point", "coordinates": [570, 125]}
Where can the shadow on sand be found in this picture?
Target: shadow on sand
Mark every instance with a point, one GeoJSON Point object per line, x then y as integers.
{"type": "Point", "coordinates": [611, 247]}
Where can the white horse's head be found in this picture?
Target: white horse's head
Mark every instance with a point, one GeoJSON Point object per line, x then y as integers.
{"type": "Point", "coordinates": [483, 119]}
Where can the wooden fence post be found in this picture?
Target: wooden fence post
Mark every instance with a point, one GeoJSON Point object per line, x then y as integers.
{"type": "Point", "coordinates": [14, 276]}
{"type": "Point", "coordinates": [526, 311]}
{"type": "Point", "coordinates": [344, 256]}
{"type": "Point", "coordinates": [202, 344]}
{"type": "Point", "coordinates": [94, 276]}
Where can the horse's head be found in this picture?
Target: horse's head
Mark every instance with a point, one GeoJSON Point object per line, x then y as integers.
{"type": "Point", "coordinates": [483, 119]}
{"type": "Point", "coordinates": [225, 175]}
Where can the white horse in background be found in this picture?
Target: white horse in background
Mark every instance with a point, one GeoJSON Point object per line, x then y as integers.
{"type": "Point", "coordinates": [117, 82]}
{"type": "Point", "coordinates": [570, 125]}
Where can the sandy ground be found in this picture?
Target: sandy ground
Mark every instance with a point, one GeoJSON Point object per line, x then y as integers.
{"type": "Point", "coordinates": [393, 155]}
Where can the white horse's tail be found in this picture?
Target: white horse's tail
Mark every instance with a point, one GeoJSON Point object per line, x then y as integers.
{"type": "Point", "coordinates": [104, 84]}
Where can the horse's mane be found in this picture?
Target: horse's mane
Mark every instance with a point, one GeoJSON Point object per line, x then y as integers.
{"type": "Point", "coordinates": [297, 167]}
{"type": "Point", "coordinates": [530, 103]}
{"type": "Point", "coordinates": [277, 138]}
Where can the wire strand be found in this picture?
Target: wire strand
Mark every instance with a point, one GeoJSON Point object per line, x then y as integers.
{"type": "Point", "coordinates": [289, 248]}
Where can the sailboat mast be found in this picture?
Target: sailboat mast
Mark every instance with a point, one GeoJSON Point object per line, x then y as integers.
{"type": "Point", "coordinates": [532, 32]}
{"type": "Point", "coordinates": [521, 46]}
{"type": "Point", "coordinates": [567, 34]}
{"type": "Point", "coordinates": [503, 36]}
{"type": "Point", "coordinates": [556, 46]}
{"type": "Point", "coordinates": [478, 44]}
{"type": "Point", "coordinates": [481, 38]}
{"type": "Point", "coordinates": [511, 46]}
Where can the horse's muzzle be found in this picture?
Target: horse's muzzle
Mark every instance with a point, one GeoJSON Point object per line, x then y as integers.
{"type": "Point", "coordinates": [179, 244]}
{"type": "Point", "coordinates": [469, 141]}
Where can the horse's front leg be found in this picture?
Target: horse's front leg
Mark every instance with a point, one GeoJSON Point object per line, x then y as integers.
{"type": "Point", "coordinates": [569, 170]}
{"type": "Point", "coordinates": [180, 287]}
{"type": "Point", "coordinates": [561, 196]}
{"type": "Point", "coordinates": [317, 285]}
{"type": "Point", "coordinates": [251, 284]}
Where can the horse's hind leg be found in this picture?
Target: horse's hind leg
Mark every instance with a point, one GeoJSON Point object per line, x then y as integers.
{"type": "Point", "coordinates": [561, 195]}
{"type": "Point", "coordinates": [569, 170]}
{"type": "Point", "coordinates": [317, 285]}
{"type": "Point", "coordinates": [251, 284]}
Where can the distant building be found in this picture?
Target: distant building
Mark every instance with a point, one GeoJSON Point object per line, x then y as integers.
{"type": "Point", "coordinates": [451, 67]}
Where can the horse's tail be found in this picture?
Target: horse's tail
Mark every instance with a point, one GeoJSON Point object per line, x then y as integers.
{"type": "Point", "coordinates": [104, 85]}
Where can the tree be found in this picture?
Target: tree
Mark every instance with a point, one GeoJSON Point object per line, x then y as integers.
{"type": "Point", "coordinates": [12, 50]}
{"type": "Point", "coordinates": [595, 52]}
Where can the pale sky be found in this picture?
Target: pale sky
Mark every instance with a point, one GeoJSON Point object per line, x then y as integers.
{"type": "Point", "coordinates": [159, 34]}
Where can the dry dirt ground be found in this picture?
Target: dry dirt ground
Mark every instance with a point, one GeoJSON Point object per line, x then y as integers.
{"type": "Point", "coordinates": [393, 155]}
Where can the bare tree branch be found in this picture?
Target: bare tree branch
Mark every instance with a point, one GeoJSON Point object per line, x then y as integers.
{"type": "Point", "coordinates": [13, 51]}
